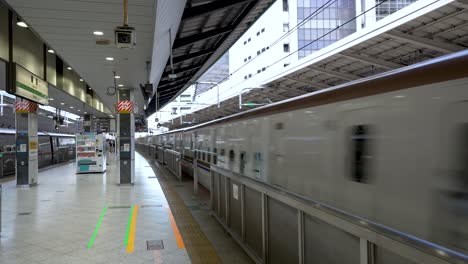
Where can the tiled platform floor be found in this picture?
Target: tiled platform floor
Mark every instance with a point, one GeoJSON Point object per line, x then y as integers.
{"type": "Point", "coordinates": [53, 222]}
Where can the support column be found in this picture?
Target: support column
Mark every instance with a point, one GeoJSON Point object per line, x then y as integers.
{"type": "Point", "coordinates": [126, 137]}
{"type": "Point", "coordinates": [26, 143]}
{"type": "Point", "coordinates": [88, 123]}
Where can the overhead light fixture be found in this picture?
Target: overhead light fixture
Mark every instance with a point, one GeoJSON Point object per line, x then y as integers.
{"type": "Point", "coordinates": [79, 110]}
{"type": "Point", "coordinates": [81, 80]}
{"type": "Point", "coordinates": [62, 103]}
{"type": "Point", "coordinates": [51, 99]}
{"type": "Point", "coordinates": [85, 112]}
{"type": "Point", "coordinates": [69, 68]}
{"type": "Point", "coordinates": [71, 107]}
{"type": "Point", "coordinates": [117, 77]}
{"type": "Point", "coordinates": [21, 23]}
{"type": "Point", "coordinates": [98, 33]}
{"type": "Point", "coordinates": [51, 51]}
{"type": "Point", "coordinates": [89, 88]}
{"type": "Point", "coordinates": [121, 85]}
{"type": "Point", "coordinates": [109, 58]}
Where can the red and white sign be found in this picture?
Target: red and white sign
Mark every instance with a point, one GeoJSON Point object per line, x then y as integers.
{"type": "Point", "coordinates": [125, 107]}
{"type": "Point", "coordinates": [25, 107]}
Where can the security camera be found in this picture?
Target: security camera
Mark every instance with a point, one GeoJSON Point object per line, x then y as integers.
{"type": "Point", "coordinates": [125, 37]}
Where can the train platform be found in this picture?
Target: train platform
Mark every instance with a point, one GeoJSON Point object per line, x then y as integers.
{"type": "Point", "coordinates": [89, 218]}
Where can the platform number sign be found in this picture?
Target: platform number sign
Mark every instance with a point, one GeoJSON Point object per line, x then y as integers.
{"type": "Point", "coordinates": [25, 84]}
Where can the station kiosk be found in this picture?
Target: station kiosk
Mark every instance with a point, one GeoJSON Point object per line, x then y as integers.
{"type": "Point", "coordinates": [91, 153]}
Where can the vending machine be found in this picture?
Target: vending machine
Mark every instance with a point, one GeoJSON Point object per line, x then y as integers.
{"type": "Point", "coordinates": [91, 153]}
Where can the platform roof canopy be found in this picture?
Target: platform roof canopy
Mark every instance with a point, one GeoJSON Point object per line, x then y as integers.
{"type": "Point", "coordinates": [203, 30]}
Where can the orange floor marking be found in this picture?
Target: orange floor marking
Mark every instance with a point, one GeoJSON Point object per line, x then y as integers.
{"type": "Point", "coordinates": [131, 238]}
{"type": "Point", "coordinates": [175, 229]}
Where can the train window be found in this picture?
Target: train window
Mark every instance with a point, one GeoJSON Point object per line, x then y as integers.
{"type": "Point", "coordinates": [361, 156]}
{"type": "Point", "coordinates": [203, 155]}
{"type": "Point", "coordinates": [222, 153]}
{"type": "Point", "coordinates": [209, 155]}
{"type": "Point", "coordinates": [243, 160]}
{"type": "Point", "coordinates": [215, 156]}
{"type": "Point", "coordinates": [232, 155]}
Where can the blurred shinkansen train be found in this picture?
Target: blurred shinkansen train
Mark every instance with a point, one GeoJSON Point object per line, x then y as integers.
{"type": "Point", "coordinates": [392, 148]}
{"type": "Point", "coordinates": [53, 149]}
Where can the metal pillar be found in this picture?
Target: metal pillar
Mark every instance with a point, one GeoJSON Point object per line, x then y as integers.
{"type": "Point", "coordinates": [26, 146]}
{"type": "Point", "coordinates": [126, 137]}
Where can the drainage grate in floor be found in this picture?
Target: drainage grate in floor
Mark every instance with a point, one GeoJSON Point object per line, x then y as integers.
{"type": "Point", "coordinates": [119, 207]}
{"type": "Point", "coordinates": [154, 244]}
{"type": "Point", "coordinates": [151, 205]}
{"type": "Point", "coordinates": [25, 213]}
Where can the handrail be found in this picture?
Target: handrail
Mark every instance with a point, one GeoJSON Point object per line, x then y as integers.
{"type": "Point", "coordinates": [430, 248]}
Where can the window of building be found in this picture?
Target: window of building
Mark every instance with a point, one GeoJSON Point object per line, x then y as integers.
{"type": "Point", "coordinates": [361, 156]}
{"type": "Point", "coordinates": [285, 5]}
{"type": "Point", "coordinates": [245, 77]}
{"type": "Point", "coordinates": [248, 40]}
{"type": "Point", "coordinates": [285, 27]}
{"type": "Point", "coordinates": [286, 64]}
{"type": "Point", "coordinates": [259, 71]}
{"type": "Point", "coordinates": [263, 50]}
{"type": "Point", "coordinates": [263, 69]}
{"type": "Point", "coordinates": [186, 98]}
{"type": "Point", "coordinates": [174, 110]}
{"type": "Point", "coordinates": [258, 52]}
{"type": "Point", "coordinates": [263, 30]}
{"type": "Point", "coordinates": [245, 60]}
{"type": "Point", "coordinates": [245, 42]}
{"type": "Point", "coordinates": [258, 33]}
{"type": "Point", "coordinates": [250, 75]}
{"type": "Point", "coordinates": [250, 57]}
{"type": "Point", "coordinates": [286, 47]}
{"type": "Point", "coordinates": [185, 109]}
{"type": "Point", "coordinates": [243, 160]}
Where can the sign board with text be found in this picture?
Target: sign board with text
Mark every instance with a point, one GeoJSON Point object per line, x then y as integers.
{"type": "Point", "coordinates": [27, 85]}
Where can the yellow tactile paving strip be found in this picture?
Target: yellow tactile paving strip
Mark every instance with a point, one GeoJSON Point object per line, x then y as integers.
{"type": "Point", "coordinates": [198, 246]}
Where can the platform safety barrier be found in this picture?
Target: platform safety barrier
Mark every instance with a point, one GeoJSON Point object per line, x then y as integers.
{"type": "Point", "coordinates": [276, 226]}
{"type": "Point", "coordinates": [172, 160]}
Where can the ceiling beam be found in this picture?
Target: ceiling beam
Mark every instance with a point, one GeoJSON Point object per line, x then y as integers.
{"type": "Point", "coordinates": [193, 55]}
{"type": "Point", "coordinates": [307, 82]}
{"type": "Point", "coordinates": [185, 41]}
{"type": "Point", "coordinates": [336, 73]}
{"type": "Point", "coordinates": [389, 65]}
{"type": "Point", "coordinates": [181, 70]}
{"type": "Point", "coordinates": [436, 45]}
{"type": "Point", "coordinates": [209, 8]}
{"type": "Point", "coordinates": [170, 81]}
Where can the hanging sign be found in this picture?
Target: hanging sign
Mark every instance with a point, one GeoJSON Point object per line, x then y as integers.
{"type": "Point", "coordinates": [27, 85]}
{"type": "Point", "coordinates": [125, 107]}
{"type": "Point", "coordinates": [25, 107]}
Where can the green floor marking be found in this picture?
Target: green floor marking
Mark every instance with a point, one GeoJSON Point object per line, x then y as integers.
{"type": "Point", "coordinates": [127, 232]}
{"type": "Point", "coordinates": [93, 237]}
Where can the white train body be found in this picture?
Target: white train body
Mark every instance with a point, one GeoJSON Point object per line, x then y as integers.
{"type": "Point", "coordinates": [398, 158]}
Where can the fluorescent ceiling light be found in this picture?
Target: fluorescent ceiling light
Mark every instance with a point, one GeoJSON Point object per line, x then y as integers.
{"type": "Point", "coordinates": [109, 58]}
{"type": "Point", "coordinates": [69, 68]}
{"type": "Point", "coordinates": [71, 107]}
{"type": "Point", "coordinates": [98, 33]}
{"type": "Point", "coordinates": [62, 103]}
{"type": "Point", "coordinates": [121, 85]}
{"type": "Point", "coordinates": [117, 77]}
{"type": "Point", "coordinates": [51, 51]}
{"type": "Point", "coordinates": [81, 80]}
{"type": "Point", "coordinates": [51, 99]}
{"type": "Point", "coordinates": [21, 24]}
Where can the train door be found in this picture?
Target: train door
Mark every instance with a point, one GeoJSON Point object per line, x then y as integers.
{"type": "Point", "coordinates": [450, 216]}
{"type": "Point", "coordinates": [277, 152]}
{"type": "Point", "coordinates": [356, 157]}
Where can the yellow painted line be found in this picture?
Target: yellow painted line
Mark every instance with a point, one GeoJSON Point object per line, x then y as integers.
{"type": "Point", "coordinates": [131, 237]}
{"type": "Point", "coordinates": [175, 229]}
